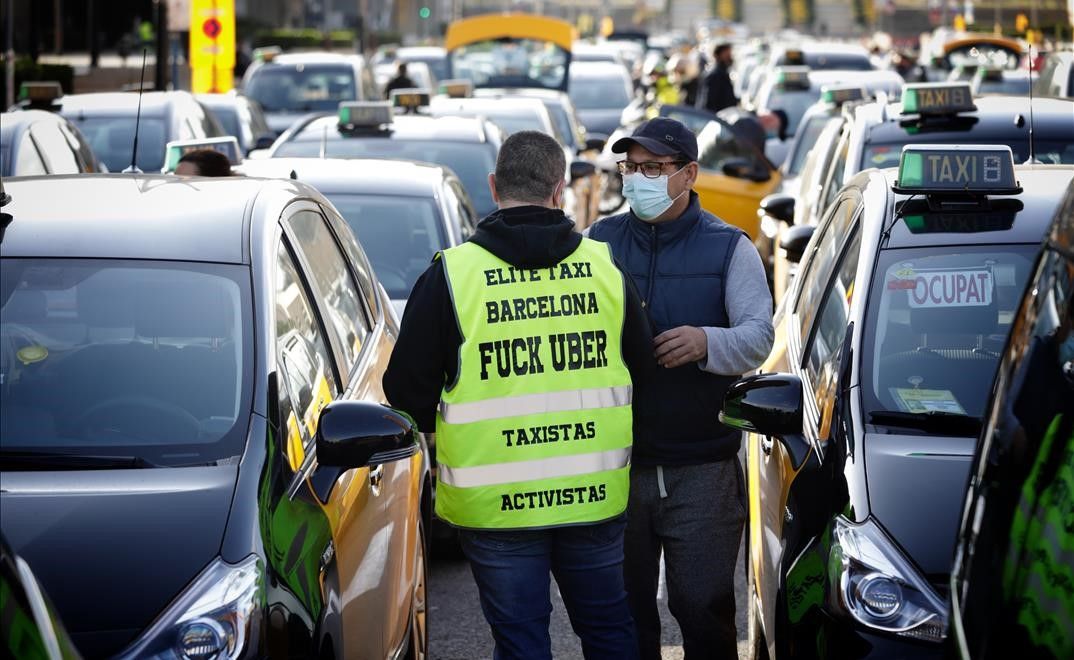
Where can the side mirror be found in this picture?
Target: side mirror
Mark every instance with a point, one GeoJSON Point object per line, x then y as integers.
{"type": "Point", "coordinates": [780, 207]}
{"type": "Point", "coordinates": [580, 169]}
{"type": "Point", "coordinates": [595, 142]}
{"type": "Point", "coordinates": [769, 405]}
{"type": "Point", "coordinates": [265, 141]}
{"type": "Point", "coordinates": [740, 168]}
{"type": "Point", "coordinates": [354, 434]}
{"type": "Point", "coordinates": [795, 240]}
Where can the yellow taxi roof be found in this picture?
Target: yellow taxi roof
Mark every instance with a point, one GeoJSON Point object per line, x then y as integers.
{"type": "Point", "coordinates": [517, 26]}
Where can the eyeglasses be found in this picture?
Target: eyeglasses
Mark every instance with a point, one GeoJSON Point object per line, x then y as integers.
{"type": "Point", "coordinates": [650, 169]}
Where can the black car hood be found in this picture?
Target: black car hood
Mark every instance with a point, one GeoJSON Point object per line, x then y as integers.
{"type": "Point", "coordinates": [600, 121]}
{"type": "Point", "coordinates": [917, 486]}
{"type": "Point", "coordinates": [113, 547]}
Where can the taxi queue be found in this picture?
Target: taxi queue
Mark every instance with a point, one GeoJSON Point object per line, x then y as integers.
{"type": "Point", "coordinates": [241, 335]}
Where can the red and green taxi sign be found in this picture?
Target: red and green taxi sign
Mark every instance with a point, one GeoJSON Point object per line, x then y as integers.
{"type": "Point", "coordinates": [365, 113]}
{"type": "Point", "coordinates": [937, 98]}
{"type": "Point", "coordinates": [836, 95]}
{"type": "Point", "coordinates": [793, 76]}
{"type": "Point", "coordinates": [950, 168]}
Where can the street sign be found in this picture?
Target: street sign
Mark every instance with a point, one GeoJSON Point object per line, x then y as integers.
{"type": "Point", "coordinates": [212, 45]}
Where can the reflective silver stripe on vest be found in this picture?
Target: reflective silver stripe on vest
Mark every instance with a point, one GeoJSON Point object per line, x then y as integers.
{"type": "Point", "coordinates": [535, 404]}
{"type": "Point", "coordinates": [544, 468]}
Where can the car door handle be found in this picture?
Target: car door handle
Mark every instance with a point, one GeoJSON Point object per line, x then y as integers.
{"type": "Point", "coordinates": [766, 446]}
{"type": "Point", "coordinates": [376, 475]}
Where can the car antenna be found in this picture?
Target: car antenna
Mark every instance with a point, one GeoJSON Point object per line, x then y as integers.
{"type": "Point", "coordinates": [1032, 148]}
{"type": "Point", "coordinates": [133, 169]}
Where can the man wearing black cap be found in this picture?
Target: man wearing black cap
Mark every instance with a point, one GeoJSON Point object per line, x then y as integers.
{"type": "Point", "coordinates": [704, 288]}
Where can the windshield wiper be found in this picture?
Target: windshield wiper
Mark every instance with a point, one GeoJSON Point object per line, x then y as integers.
{"type": "Point", "coordinates": [53, 460]}
{"type": "Point", "coordinates": [932, 420]}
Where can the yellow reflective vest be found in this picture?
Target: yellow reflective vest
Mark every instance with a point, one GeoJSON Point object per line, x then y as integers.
{"type": "Point", "coordinates": [536, 430]}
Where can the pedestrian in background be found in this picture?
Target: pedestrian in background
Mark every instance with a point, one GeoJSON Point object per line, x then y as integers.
{"type": "Point", "coordinates": [719, 92]}
{"type": "Point", "coordinates": [519, 348]}
{"type": "Point", "coordinates": [707, 296]}
{"type": "Point", "coordinates": [400, 81]}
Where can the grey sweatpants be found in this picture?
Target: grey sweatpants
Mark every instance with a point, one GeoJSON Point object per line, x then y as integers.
{"type": "Point", "coordinates": [693, 514]}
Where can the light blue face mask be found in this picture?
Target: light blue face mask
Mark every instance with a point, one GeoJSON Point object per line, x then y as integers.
{"type": "Point", "coordinates": [648, 198]}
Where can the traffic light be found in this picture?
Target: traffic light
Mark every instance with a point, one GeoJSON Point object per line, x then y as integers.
{"type": "Point", "coordinates": [424, 12]}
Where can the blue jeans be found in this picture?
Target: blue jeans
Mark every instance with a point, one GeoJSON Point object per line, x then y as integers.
{"type": "Point", "coordinates": [512, 571]}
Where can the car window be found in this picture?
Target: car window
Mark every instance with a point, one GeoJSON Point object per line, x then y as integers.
{"type": "Point", "coordinates": [835, 173]}
{"type": "Point", "coordinates": [112, 139]}
{"type": "Point", "coordinates": [54, 146]}
{"type": "Point", "coordinates": [822, 261]}
{"type": "Point", "coordinates": [28, 161]}
{"type": "Point", "coordinates": [805, 140]}
{"type": "Point", "coordinates": [307, 381]}
{"type": "Point", "coordinates": [835, 313]}
{"type": "Point", "coordinates": [332, 281]}
{"type": "Point", "coordinates": [938, 319]}
{"type": "Point", "coordinates": [85, 157]}
{"type": "Point", "coordinates": [302, 87]}
{"type": "Point", "coordinates": [718, 143]}
{"type": "Point", "coordinates": [400, 235]}
{"type": "Point", "coordinates": [125, 358]}
{"type": "Point", "coordinates": [466, 213]}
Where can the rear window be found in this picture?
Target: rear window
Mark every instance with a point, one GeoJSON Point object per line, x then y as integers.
{"type": "Point", "coordinates": [302, 87]}
{"type": "Point", "coordinates": [112, 140]}
{"type": "Point", "coordinates": [938, 319]}
{"type": "Point", "coordinates": [150, 360]}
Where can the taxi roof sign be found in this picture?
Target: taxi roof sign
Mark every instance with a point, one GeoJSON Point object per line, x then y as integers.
{"type": "Point", "coordinates": [266, 53]}
{"type": "Point", "coordinates": [793, 76]}
{"type": "Point", "coordinates": [457, 88]}
{"type": "Point", "coordinates": [410, 98]}
{"type": "Point", "coordinates": [175, 150]}
{"type": "Point", "coordinates": [41, 91]}
{"type": "Point", "coordinates": [839, 94]}
{"type": "Point", "coordinates": [952, 169]}
{"type": "Point", "coordinates": [367, 114]}
{"type": "Point", "coordinates": [947, 98]}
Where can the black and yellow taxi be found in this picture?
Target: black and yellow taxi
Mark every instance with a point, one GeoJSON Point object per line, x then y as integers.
{"type": "Point", "coordinates": [466, 145]}
{"type": "Point", "coordinates": [1014, 557]}
{"type": "Point", "coordinates": [861, 431]}
{"type": "Point", "coordinates": [192, 424]}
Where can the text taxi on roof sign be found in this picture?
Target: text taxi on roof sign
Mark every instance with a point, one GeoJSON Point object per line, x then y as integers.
{"type": "Point", "coordinates": [884, 351]}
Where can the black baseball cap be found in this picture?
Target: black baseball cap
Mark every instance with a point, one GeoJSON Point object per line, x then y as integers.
{"type": "Point", "coordinates": [663, 136]}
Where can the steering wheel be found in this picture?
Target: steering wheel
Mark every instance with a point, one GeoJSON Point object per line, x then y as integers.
{"type": "Point", "coordinates": [138, 416]}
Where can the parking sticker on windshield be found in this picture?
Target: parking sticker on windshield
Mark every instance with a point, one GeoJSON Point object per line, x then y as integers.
{"type": "Point", "coordinates": [950, 288]}
{"type": "Point", "coordinates": [921, 401]}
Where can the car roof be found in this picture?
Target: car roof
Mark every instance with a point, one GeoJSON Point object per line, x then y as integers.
{"type": "Point", "coordinates": [320, 57]}
{"type": "Point", "coordinates": [420, 51]}
{"type": "Point", "coordinates": [1044, 189]}
{"type": "Point", "coordinates": [598, 70]}
{"type": "Point", "coordinates": [154, 104]}
{"type": "Point", "coordinates": [497, 104]}
{"type": "Point", "coordinates": [553, 96]}
{"type": "Point", "coordinates": [404, 127]}
{"type": "Point", "coordinates": [997, 114]}
{"type": "Point", "coordinates": [22, 118]}
{"type": "Point", "coordinates": [834, 47]}
{"type": "Point", "coordinates": [362, 176]}
{"type": "Point", "coordinates": [122, 216]}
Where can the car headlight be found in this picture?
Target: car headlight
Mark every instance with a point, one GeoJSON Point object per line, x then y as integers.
{"type": "Point", "coordinates": [879, 587]}
{"type": "Point", "coordinates": [216, 618]}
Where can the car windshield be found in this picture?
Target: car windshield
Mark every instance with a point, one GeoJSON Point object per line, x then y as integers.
{"type": "Point", "coordinates": [112, 140]}
{"type": "Point", "coordinates": [938, 319]}
{"type": "Point", "coordinates": [794, 102]}
{"type": "Point", "coordinates": [832, 61]}
{"type": "Point", "coordinates": [471, 162]}
{"type": "Point", "coordinates": [1051, 149]}
{"type": "Point", "coordinates": [804, 142]}
{"type": "Point", "coordinates": [1016, 85]}
{"type": "Point", "coordinates": [148, 360]}
{"type": "Point", "coordinates": [302, 87]}
{"type": "Point", "coordinates": [511, 63]}
{"type": "Point", "coordinates": [399, 234]}
{"type": "Point", "coordinates": [597, 93]}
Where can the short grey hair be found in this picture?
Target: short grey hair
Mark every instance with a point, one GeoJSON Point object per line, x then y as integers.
{"type": "Point", "coordinates": [529, 167]}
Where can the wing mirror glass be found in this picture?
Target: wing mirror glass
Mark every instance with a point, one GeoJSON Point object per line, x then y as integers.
{"type": "Point", "coordinates": [354, 434]}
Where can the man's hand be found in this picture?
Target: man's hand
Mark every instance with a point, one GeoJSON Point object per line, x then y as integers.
{"type": "Point", "coordinates": [680, 345]}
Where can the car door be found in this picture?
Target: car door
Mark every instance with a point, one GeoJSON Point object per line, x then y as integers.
{"type": "Point", "coordinates": [771, 471]}
{"type": "Point", "coordinates": [734, 199]}
{"type": "Point", "coordinates": [351, 499]}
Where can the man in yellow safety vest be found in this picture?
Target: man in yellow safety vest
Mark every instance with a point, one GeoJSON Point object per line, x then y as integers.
{"type": "Point", "coordinates": [520, 348]}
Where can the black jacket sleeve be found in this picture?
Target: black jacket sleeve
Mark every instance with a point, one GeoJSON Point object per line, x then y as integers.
{"type": "Point", "coordinates": [426, 352]}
